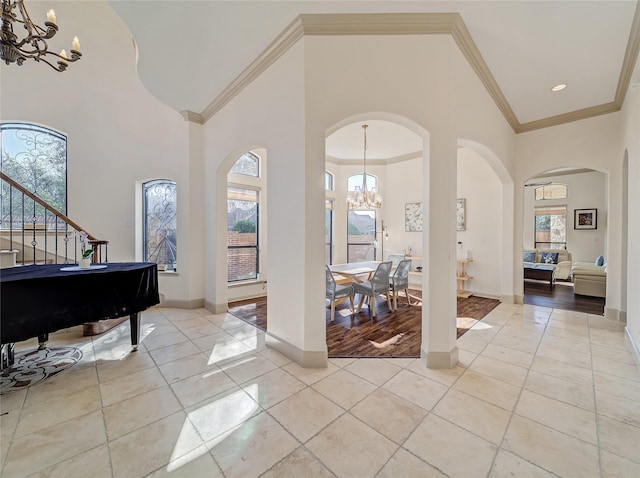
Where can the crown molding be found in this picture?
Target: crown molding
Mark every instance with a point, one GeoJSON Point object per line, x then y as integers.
{"type": "Point", "coordinates": [192, 116]}
{"type": "Point", "coordinates": [630, 58]}
{"type": "Point", "coordinates": [374, 162]}
{"type": "Point", "coordinates": [275, 50]}
{"type": "Point", "coordinates": [418, 24]}
{"type": "Point", "coordinates": [628, 65]}
{"type": "Point", "coordinates": [570, 117]}
{"type": "Point", "coordinates": [368, 24]}
{"type": "Point", "coordinates": [470, 51]}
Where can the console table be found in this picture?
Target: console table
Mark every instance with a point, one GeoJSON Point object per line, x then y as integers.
{"type": "Point", "coordinates": [39, 299]}
{"type": "Point", "coordinates": [462, 277]}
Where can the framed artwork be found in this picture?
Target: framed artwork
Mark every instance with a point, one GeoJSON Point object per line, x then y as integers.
{"type": "Point", "coordinates": [413, 217]}
{"type": "Point", "coordinates": [585, 219]}
{"type": "Point", "coordinates": [461, 214]}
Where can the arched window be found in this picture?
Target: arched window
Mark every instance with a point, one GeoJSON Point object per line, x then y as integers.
{"type": "Point", "coordinates": [247, 164]}
{"type": "Point", "coordinates": [356, 181]}
{"type": "Point", "coordinates": [36, 158]}
{"type": "Point", "coordinates": [160, 224]}
{"type": "Point", "coordinates": [551, 191]}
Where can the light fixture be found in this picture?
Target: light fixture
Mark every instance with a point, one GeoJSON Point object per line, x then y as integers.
{"type": "Point", "coordinates": [541, 183]}
{"type": "Point", "coordinates": [559, 87]}
{"type": "Point", "coordinates": [363, 197]}
{"type": "Point", "coordinates": [34, 44]}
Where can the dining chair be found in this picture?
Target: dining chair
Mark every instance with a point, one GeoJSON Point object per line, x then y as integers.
{"type": "Point", "coordinates": [395, 259]}
{"type": "Point", "coordinates": [378, 284]}
{"type": "Point", "coordinates": [335, 292]}
{"type": "Point", "coordinates": [400, 281]}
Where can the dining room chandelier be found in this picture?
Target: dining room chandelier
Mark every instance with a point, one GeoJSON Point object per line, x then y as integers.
{"type": "Point", "coordinates": [34, 44]}
{"type": "Point", "coordinates": [363, 197]}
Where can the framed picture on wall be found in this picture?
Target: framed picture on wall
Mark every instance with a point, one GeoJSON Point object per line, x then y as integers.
{"type": "Point", "coordinates": [461, 214]}
{"type": "Point", "coordinates": [413, 217]}
{"type": "Point", "coordinates": [585, 219]}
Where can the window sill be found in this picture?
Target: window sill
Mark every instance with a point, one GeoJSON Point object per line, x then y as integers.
{"type": "Point", "coordinates": [232, 285]}
{"type": "Point", "coordinates": [168, 273]}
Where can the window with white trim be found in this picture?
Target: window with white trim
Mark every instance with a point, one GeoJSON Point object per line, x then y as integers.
{"type": "Point", "coordinates": [551, 227]}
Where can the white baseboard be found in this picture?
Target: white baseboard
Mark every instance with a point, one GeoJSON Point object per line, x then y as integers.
{"type": "Point", "coordinates": [183, 304]}
{"type": "Point", "coordinates": [304, 358]}
{"type": "Point", "coordinates": [635, 352]}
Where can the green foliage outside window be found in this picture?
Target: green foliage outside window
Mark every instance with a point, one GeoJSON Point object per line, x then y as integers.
{"type": "Point", "coordinates": [244, 226]}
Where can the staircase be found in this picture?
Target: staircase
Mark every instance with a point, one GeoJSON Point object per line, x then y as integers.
{"type": "Point", "coordinates": [34, 232]}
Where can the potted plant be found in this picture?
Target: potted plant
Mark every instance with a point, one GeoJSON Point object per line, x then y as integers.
{"type": "Point", "coordinates": [85, 254]}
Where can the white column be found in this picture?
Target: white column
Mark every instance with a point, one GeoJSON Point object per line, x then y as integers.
{"type": "Point", "coordinates": [439, 349]}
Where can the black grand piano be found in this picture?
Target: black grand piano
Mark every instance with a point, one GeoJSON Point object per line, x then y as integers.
{"type": "Point", "coordinates": [38, 299]}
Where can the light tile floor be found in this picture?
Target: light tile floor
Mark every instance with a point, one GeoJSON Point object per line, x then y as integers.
{"type": "Point", "coordinates": [537, 393]}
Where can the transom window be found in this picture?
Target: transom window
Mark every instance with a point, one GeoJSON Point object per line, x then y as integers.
{"type": "Point", "coordinates": [551, 191]}
{"type": "Point", "coordinates": [160, 224]}
{"type": "Point", "coordinates": [551, 227]}
{"type": "Point", "coordinates": [248, 164]}
{"type": "Point", "coordinates": [356, 180]}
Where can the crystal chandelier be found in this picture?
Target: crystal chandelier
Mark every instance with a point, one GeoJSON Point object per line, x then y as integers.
{"type": "Point", "coordinates": [363, 197]}
{"type": "Point", "coordinates": [34, 44]}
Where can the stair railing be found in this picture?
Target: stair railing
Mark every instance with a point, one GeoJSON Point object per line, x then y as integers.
{"type": "Point", "coordinates": [38, 232]}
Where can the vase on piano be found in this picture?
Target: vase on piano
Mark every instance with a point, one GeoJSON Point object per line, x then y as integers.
{"type": "Point", "coordinates": [85, 262]}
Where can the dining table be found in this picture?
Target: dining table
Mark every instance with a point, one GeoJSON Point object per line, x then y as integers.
{"type": "Point", "coordinates": [355, 271]}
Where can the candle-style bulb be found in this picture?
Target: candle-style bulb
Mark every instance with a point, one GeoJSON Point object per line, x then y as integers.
{"type": "Point", "coordinates": [75, 45]}
{"type": "Point", "coordinates": [51, 16]}
{"type": "Point", "coordinates": [63, 53]}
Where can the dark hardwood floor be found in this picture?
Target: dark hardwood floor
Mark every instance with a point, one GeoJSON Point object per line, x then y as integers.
{"type": "Point", "coordinates": [351, 335]}
{"type": "Point", "coordinates": [561, 296]}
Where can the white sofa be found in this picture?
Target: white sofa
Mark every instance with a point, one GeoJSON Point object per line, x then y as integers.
{"type": "Point", "coordinates": [589, 279]}
{"type": "Point", "coordinates": [562, 268]}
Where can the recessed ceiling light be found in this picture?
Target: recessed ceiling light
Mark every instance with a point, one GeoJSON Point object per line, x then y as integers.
{"type": "Point", "coordinates": [559, 87]}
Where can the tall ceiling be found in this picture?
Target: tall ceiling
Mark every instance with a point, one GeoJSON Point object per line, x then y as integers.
{"type": "Point", "coordinates": [528, 46]}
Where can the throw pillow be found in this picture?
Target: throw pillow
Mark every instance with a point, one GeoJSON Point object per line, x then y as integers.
{"type": "Point", "coordinates": [600, 261]}
{"type": "Point", "coordinates": [549, 257]}
{"type": "Point", "coordinates": [529, 256]}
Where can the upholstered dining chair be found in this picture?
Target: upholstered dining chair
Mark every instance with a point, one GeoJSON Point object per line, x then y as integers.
{"type": "Point", "coordinates": [378, 284]}
{"type": "Point", "coordinates": [395, 259]}
{"type": "Point", "coordinates": [336, 292]}
{"type": "Point", "coordinates": [400, 281]}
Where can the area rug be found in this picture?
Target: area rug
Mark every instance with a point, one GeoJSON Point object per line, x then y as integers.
{"type": "Point", "coordinates": [35, 366]}
{"type": "Point", "coordinates": [390, 334]}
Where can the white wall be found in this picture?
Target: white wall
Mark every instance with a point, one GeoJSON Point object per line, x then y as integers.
{"type": "Point", "coordinates": [269, 114]}
{"type": "Point", "coordinates": [404, 181]}
{"type": "Point", "coordinates": [399, 183]}
{"type": "Point", "coordinates": [482, 238]}
{"type": "Point", "coordinates": [585, 191]}
{"type": "Point", "coordinates": [630, 139]}
{"type": "Point", "coordinates": [118, 133]}
{"type": "Point", "coordinates": [593, 143]}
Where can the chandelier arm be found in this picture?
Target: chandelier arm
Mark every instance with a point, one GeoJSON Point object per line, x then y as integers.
{"type": "Point", "coordinates": [34, 45]}
{"type": "Point", "coordinates": [62, 65]}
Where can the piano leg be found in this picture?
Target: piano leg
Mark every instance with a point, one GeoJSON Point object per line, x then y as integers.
{"type": "Point", "coordinates": [42, 341]}
{"type": "Point", "coordinates": [134, 319]}
{"type": "Point", "coordinates": [8, 356]}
